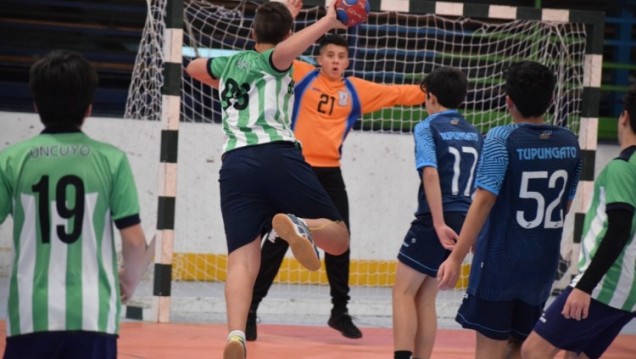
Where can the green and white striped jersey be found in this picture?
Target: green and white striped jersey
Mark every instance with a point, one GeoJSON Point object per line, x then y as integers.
{"type": "Point", "coordinates": [64, 190]}
{"type": "Point", "coordinates": [615, 184]}
{"type": "Point", "coordinates": [257, 100]}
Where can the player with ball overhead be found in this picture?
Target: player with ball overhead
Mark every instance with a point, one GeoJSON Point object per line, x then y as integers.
{"type": "Point", "coordinates": [261, 145]}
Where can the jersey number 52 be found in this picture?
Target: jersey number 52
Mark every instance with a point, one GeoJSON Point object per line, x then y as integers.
{"type": "Point", "coordinates": [543, 215]}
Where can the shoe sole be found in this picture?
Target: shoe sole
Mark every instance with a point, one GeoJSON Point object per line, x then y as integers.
{"type": "Point", "coordinates": [301, 247]}
{"type": "Point", "coordinates": [234, 350]}
{"type": "Point", "coordinates": [357, 336]}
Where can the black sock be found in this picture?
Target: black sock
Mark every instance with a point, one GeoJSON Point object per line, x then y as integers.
{"type": "Point", "coordinates": [402, 354]}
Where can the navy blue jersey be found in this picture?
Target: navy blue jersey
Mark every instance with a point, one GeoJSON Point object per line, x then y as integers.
{"type": "Point", "coordinates": [534, 171]}
{"type": "Point", "coordinates": [449, 143]}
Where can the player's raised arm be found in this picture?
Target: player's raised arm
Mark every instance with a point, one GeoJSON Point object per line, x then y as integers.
{"type": "Point", "coordinates": [294, 7]}
{"type": "Point", "coordinates": [375, 96]}
{"type": "Point", "coordinates": [288, 50]}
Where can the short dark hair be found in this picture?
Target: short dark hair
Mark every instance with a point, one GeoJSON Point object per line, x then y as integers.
{"type": "Point", "coordinates": [333, 39]}
{"type": "Point", "coordinates": [63, 84]}
{"type": "Point", "coordinates": [629, 105]}
{"type": "Point", "coordinates": [448, 84]}
{"type": "Point", "coordinates": [272, 23]}
{"type": "Point", "coordinates": [530, 86]}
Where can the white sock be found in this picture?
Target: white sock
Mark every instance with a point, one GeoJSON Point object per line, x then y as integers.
{"type": "Point", "coordinates": [236, 333]}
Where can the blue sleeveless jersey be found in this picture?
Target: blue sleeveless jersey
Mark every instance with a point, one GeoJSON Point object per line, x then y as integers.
{"type": "Point", "coordinates": [534, 171]}
{"type": "Point", "coordinates": [449, 143]}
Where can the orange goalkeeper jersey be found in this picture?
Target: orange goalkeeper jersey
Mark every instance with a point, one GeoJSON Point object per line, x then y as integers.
{"type": "Point", "coordinates": [326, 110]}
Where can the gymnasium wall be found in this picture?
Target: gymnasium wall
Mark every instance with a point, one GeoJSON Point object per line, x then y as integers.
{"type": "Point", "coordinates": [378, 169]}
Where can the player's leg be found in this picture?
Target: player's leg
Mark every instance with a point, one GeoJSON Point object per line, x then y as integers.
{"type": "Point", "coordinates": [272, 255]}
{"type": "Point", "coordinates": [524, 318]}
{"type": "Point", "coordinates": [432, 256]}
{"type": "Point", "coordinates": [537, 347]}
{"type": "Point", "coordinates": [587, 338]}
{"type": "Point", "coordinates": [488, 348]}
{"type": "Point", "coordinates": [514, 348]}
{"type": "Point", "coordinates": [242, 269]}
{"type": "Point", "coordinates": [246, 209]}
{"type": "Point", "coordinates": [492, 323]}
{"type": "Point", "coordinates": [329, 235]}
{"type": "Point", "coordinates": [405, 316]}
{"type": "Point", "coordinates": [337, 266]}
{"type": "Point", "coordinates": [422, 253]}
{"type": "Point", "coordinates": [299, 192]}
{"type": "Point", "coordinates": [426, 318]}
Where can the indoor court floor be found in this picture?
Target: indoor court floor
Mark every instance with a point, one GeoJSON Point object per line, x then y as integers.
{"type": "Point", "coordinates": [140, 340]}
{"type": "Point", "coordinates": [144, 340]}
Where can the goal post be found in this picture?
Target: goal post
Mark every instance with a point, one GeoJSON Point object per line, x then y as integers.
{"type": "Point", "coordinates": [401, 42]}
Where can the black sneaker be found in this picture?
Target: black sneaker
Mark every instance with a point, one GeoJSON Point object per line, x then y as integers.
{"type": "Point", "coordinates": [344, 324]}
{"type": "Point", "coordinates": [250, 327]}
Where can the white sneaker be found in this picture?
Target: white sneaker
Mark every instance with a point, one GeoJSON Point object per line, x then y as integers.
{"type": "Point", "coordinates": [295, 232]}
{"type": "Point", "coordinates": [235, 348]}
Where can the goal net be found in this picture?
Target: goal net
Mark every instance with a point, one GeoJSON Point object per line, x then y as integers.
{"type": "Point", "coordinates": [391, 48]}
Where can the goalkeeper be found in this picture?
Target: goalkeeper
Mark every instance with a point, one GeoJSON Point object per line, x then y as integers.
{"type": "Point", "coordinates": [326, 107]}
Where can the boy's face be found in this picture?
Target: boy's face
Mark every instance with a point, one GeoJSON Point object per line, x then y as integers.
{"type": "Point", "coordinates": [333, 60]}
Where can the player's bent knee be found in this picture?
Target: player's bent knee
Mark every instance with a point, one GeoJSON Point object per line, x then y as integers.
{"type": "Point", "coordinates": [535, 347]}
{"type": "Point", "coordinates": [341, 248]}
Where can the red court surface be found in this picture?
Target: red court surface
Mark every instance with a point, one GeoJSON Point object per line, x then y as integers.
{"type": "Point", "coordinates": [193, 341]}
{"type": "Point", "coordinates": [143, 340]}
{"type": "Point", "coordinates": [197, 341]}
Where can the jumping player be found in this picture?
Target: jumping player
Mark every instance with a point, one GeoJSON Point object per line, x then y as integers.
{"type": "Point", "coordinates": [264, 175]}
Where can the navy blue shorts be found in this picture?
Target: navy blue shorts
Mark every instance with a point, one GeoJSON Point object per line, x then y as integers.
{"type": "Point", "coordinates": [498, 320]}
{"type": "Point", "coordinates": [421, 249]}
{"type": "Point", "coordinates": [591, 336]}
{"type": "Point", "coordinates": [62, 345]}
{"type": "Point", "coordinates": [259, 181]}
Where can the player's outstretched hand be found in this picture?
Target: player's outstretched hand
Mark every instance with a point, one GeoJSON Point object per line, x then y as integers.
{"type": "Point", "coordinates": [331, 14]}
{"type": "Point", "coordinates": [294, 7]}
{"type": "Point", "coordinates": [447, 237]}
{"type": "Point", "coordinates": [448, 273]}
{"type": "Point", "coordinates": [577, 305]}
